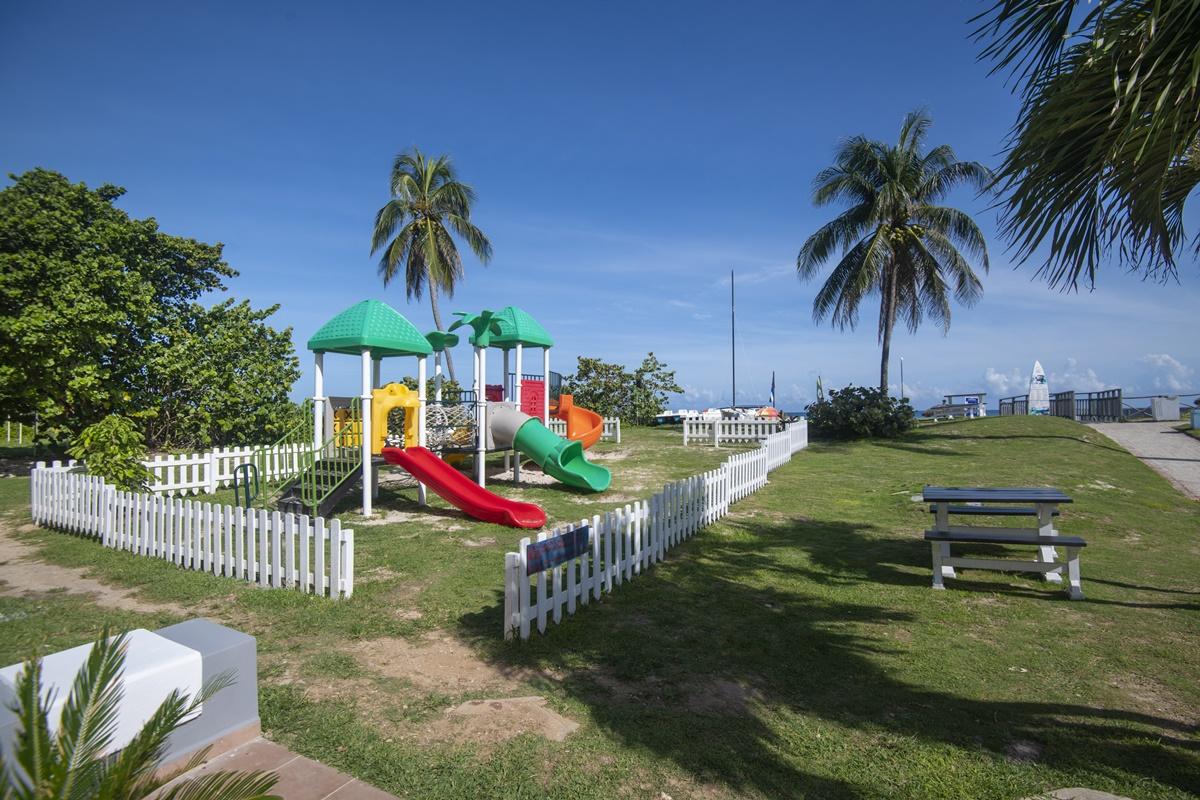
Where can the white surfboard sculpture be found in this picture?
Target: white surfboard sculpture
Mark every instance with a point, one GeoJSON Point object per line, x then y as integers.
{"type": "Point", "coordinates": [1039, 392]}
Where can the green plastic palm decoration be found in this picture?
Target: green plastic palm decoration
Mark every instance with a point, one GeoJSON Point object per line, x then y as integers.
{"type": "Point", "coordinates": [413, 229]}
{"type": "Point", "coordinates": [484, 324]}
{"type": "Point", "coordinates": [72, 764]}
{"type": "Point", "coordinates": [895, 239]}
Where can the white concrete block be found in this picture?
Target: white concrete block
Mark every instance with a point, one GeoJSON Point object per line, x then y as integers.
{"type": "Point", "coordinates": [154, 667]}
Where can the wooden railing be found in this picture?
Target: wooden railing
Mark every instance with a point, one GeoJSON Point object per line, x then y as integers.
{"type": "Point", "coordinates": [1017, 405]}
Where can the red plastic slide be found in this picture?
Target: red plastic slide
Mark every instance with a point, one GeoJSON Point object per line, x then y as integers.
{"type": "Point", "coordinates": [460, 491]}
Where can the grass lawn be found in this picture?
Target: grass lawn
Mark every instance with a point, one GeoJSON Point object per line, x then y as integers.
{"type": "Point", "coordinates": [794, 650]}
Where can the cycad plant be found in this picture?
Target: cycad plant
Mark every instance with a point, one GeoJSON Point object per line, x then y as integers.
{"type": "Point", "coordinates": [895, 239]}
{"type": "Point", "coordinates": [72, 763]}
{"type": "Point", "coordinates": [413, 229]}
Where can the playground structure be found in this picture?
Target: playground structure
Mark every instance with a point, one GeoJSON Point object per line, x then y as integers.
{"type": "Point", "coordinates": [350, 438]}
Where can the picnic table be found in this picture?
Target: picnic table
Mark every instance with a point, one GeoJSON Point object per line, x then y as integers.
{"type": "Point", "coordinates": [1040, 503]}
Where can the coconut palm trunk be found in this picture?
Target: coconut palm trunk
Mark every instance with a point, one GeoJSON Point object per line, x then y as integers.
{"type": "Point", "coordinates": [887, 323]}
{"type": "Point", "coordinates": [437, 323]}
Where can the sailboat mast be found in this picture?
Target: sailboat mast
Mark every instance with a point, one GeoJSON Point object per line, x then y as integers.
{"type": "Point", "coordinates": [733, 339]}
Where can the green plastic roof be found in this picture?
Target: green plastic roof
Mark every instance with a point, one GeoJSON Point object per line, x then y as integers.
{"type": "Point", "coordinates": [518, 327]}
{"type": "Point", "coordinates": [370, 324]}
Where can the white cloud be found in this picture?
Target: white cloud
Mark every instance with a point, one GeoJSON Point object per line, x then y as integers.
{"type": "Point", "coordinates": [1076, 378]}
{"type": "Point", "coordinates": [1071, 377]}
{"type": "Point", "coordinates": [1005, 384]}
{"type": "Point", "coordinates": [1169, 373]}
{"type": "Point", "coordinates": [694, 394]}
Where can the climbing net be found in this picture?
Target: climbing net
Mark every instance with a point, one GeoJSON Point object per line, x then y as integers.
{"type": "Point", "coordinates": [450, 426]}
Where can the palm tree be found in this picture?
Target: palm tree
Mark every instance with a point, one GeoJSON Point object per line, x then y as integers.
{"type": "Point", "coordinates": [894, 239]}
{"type": "Point", "coordinates": [413, 229]}
{"type": "Point", "coordinates": [74, 761]}
{"type": "Point", "coordinates": [1106, 148]}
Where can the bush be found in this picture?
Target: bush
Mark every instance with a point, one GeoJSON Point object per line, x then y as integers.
{"type": "Point", "coordinates": [857, 412]}
{"type": "Point", "coordinates": [113, 449]}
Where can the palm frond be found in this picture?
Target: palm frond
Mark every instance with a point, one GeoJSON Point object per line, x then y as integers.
{"type": "Point", "coordinates": [397, 253]}
{"type": "Point", "coordinates": [224, 785]}
{"type": "Point", "coordinates": [89, 718]}
{"type": "Point", "coordinates": [33, 757]}
{"type": "Point", "coordinates": [474, 237]}
{"type": "Point", "coordinates": [389, 217]}
{"type": "Point", "coordinates": [837, 235]}
{"type": "Point", "coordinates": [1109, 109]}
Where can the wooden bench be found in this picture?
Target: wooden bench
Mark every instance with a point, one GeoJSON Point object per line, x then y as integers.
{"type": "Point", "coordinates": [940, 541]}
{"type": "Point", "coordinates": [992, 511]}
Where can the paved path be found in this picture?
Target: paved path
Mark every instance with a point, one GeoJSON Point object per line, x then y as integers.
{"type": "Point", "coordinates": [22, 572]}
{"type": "Point", "coordinates": [300, 778]}
{"type": "Point", "coordinates": [1171, 453]}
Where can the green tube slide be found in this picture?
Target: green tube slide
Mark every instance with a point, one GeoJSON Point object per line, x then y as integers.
{"type": "Point", "coordinates": [560, 458]}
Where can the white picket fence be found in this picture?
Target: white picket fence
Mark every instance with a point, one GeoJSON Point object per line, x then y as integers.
{"type": "Point", "coordinates": [717, 431]}
{"type": "Point", "coordinates": [213, 470]}
{"type": "Point", "coordinates": [610, 431]}
{"type": "Point", "coordinates": [269, 548]}
{"type": "Point", "coordinates": [628, 540]}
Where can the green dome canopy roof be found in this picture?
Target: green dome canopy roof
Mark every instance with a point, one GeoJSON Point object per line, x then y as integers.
{"type": "Point", "coordinates": [374, 325]}
{"type": "Point", "coordinates": [518, 327]}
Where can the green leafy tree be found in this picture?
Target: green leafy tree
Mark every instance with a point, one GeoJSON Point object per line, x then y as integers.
{"type": "Point", "coordinates": [652, 383]}
{"type": "Point", "coordinates": [113, 449]}
{"type": "Point", "coordinates": [598, 385]}
{"type": "Point", "coordinates": [82, 288]}
{"type": "Point", "coordinates": [613, 391]}
{"type": "Point", "coordinates": [413, 230]}
{"type": "Point", "coordinates": [895, 239]}
{"type": "Point", "coordinates": [73, 763]}
{"type": "Point", "coordinates": [218, 376]}
{"type": "Point", "coordinates": [451, 391]}
{"type": "Point", "coordinates": [98, 316]}
{"type": "Point", "coordinates": [1106, 148]}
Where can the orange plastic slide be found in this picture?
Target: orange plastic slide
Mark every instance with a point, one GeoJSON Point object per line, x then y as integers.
{"type": "Point", "coordinates": [583, 424]}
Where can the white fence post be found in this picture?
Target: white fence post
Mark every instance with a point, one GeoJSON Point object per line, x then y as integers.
{"type": "Point", "coordinates": [221, 539]}
{"type": "Point", "coordinates": [628, 540]}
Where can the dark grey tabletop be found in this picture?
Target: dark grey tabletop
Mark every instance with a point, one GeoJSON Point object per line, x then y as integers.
{"type": "Point", "coordinates": [993, 494]}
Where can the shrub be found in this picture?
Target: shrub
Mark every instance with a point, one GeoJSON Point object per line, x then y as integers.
{"type": "Point", "coordinates": [113, 449]}
{"type": "Point", "coordinates": [857, 412]}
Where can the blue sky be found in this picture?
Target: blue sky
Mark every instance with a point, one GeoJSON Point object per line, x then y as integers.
{"type": "Point", "coordinates": [626, 157]}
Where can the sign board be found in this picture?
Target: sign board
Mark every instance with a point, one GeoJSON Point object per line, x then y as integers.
{"type": "Point", "coordinates": [548, 554]}
{"type": "Point", "coordinates": [971, 400]}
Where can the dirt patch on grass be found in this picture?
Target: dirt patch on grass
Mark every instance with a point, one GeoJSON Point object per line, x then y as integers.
{"type": "Point", "coordinates": [498, 720]}
{"type": "Point", "coordinates": [1154, 699]}
{"type": "Point", "coordinates": [482, 541]}
{"type": "Point", "coordinates": [436, 663]}
{"type": "Point", "coordinates": [376, 574]}
{"type": "Point", "coordinates": [615, 455]}
{"type": "Point", "coordinates": [715, 697]}
{"type": "Point", "coordinates": [721, 698]}
{"type": "Point", "coordinates": [403, 600]}
{"type": "Point", "coordinates": [23, 574]}
{"type": "Point", "coordinates": [532, 477]}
